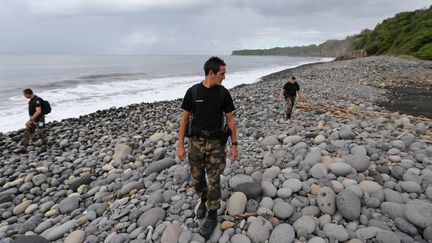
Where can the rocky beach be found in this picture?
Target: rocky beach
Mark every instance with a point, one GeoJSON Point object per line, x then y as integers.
{"type": "Point", "coordinates": [345, 168]}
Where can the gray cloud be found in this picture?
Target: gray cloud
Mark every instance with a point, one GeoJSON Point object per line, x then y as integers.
{"type": "Point", "coordinates": [183, 27]}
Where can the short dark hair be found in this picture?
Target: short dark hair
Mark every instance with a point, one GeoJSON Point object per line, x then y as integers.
{"type": "Point", "coordinates": [292, 77]}
{"type": "Point", "coordinates": [28, 91]}
{"type": "Point", "coordinates": [213, 64]}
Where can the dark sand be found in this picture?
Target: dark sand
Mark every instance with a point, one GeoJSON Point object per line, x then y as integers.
{"type": "Point", "coordinates": [410, 101]}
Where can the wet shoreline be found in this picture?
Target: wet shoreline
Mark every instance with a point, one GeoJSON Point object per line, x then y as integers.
{"type": "Point", "coordinates": [409, 100]}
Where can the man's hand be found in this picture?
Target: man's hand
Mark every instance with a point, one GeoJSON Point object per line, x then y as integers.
{"type": "Point", "coordinates": [28, 123]}
{"type": "Point", "coordinates": [181, 153]}
{"type": "Point", "coordinates": [233, 153]}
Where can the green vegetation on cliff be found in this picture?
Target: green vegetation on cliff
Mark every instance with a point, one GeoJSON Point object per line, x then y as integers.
{"type": "Point", "coordinates": [407, 33]}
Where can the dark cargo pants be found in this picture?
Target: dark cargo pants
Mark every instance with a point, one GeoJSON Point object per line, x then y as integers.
{"type": "Point", "coordinates": [290, 104]}
{"type": "Point", "coordinates": [34, 132]}
{"type": "Point", "coordinates": [207, 156]}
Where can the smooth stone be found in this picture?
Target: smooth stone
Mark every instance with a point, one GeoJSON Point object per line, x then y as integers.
{"type": "Point", "coordinates": [427, 233]}
{"type": "Point", "coordinates": [158, 166]}
{"type": "Point", "coordinates": [31, 208]}
{"type": "Point", "coordinates": [387, 237]}
{"type": "Point", "coordinates": [171, 233]}
{"type": "Point", "coordinates": [179, 173]}
{"type": "Point", "coordinates": [99, 208]}
{"type": "Point", "coordinates": [370, 186]}
{"type": "Point", "coordinates": [282, 233]}
{"type": "Point", "coordinates": [185, 237]}
{"type": "Point", "coordinates": [419, 213]}
{"type": "Point", "coordinates": [227, 224]}
{"type": "Point", "coordinates": [340, 169]}
{"type": "Point", "coordinates": [69, 204]}
{"type": "Point", "coordinates": [304, 225]}
{"type": "Point", "coordinates": [77, 236]}
{"type": "Point", "coordinates": [367, 233]}
{"type": "Point", "coordinates": [294, 184]}
{"type": "Point", "coordinates": [250, 189]}
{"type": "Point", "coordinates": [410, 186]}
{"type": "Point", "coordinates": [77, 182]}
{"type": "Point", "coordinates": [392, 196]}
{"type": "Point", "coordinates": [406, 226]}
{"type": "Point", "coordinates": [259, 230]}
{"type": "Point", "coordinates": [30, 224]}
{"type": "Point", "coordinates": [59, 231]}
{"type": "Point", "coordinates": [293, 139]}
{"type": "Point", "coordinates": [270, 141]}
{"type": "Point", "coordinates": [313, 157]}
{"type": "Point", "coordinates": [348, 204]}
{"type": "Point", "coordinates": [337, 186]}
{"type": "Point", "coordinates": [127, 188]}
{"type": "Point", "coordinates": [359, 162]}
{"type": "Point", "coordinates": [237, 203]}
{"type": "Point", "coordinates": [151, 217]}
{"type": "Point", "coordinates": [318, 171]}
{"type": "Point", "coordinates": [239, 238]}
{"type": "Point", "coordinates": [107, 167]}
{"type": "Point", "coordinates": [284, 193]}
{"type": "Point", "coordinates": [335, 231]}
{"type": "Point", "coordinates": [119, 238]}
{"type": "Point", "coordinates": [43, 226]}
{"type": "Point", "coordinates": [392, 209]}
{"type": "Point", "coordinates": [346, 133]}
{"type": "Point", "coordinates": [270, 173]}
{"type": "Point", "coordinates": [240, 179]}
{"type": "Point", "coordinates": [359, 150]}
{"type": "Point", "coordinates": [19, 209]}
{"type": "Point", "coordinates": [30, 239]}
{"type": "Point", "coordinates": [268, 189]}
{"type": "Point", "coordinates": [267, 202]}
{"type": "Point", "coordinates": [156, 137]}
{"type": "Point", "coordinates": [283, 210]}
{"type": "Point", "coordinates": [268, 161]}
{"type": "Point", "coordinates": [39, 179]}
{"type": "Point", "coordinates": [319, 139]}
{"type": "Point", "coordinates": [318, 240]}
{"type": "Point", "coordinates": [326, 200]}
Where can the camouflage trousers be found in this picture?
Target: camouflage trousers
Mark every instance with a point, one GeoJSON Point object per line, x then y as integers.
{"type": "Point", "coordinates": [35, 132]}
{"type": "Point", "coordinates": [290, 104]}
{"type": "Point", "coordinates": [207, 156]}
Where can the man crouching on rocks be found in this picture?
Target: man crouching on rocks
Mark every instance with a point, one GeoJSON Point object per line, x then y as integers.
{"type": "Point", "coordinates": [207, 102]}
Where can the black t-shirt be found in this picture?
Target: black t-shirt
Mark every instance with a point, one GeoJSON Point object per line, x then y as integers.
{"type": "Point", "coordinates": [33, 103]}
{"type": "Point", "coordinates": [210, 106]}
{"type": "Point", "coordinates": [291, 89]}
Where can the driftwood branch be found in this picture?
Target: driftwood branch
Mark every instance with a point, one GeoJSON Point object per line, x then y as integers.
{"type": "Point", "coordinates": [246, 215]}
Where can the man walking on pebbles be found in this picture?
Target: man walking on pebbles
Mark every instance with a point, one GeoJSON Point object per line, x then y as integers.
{"type": "Point", "coordinates": [36, 124]}
{"type": "Point", "coordinates": [289, 91]}
{"type": "Point", "coordinates": [207, 102]}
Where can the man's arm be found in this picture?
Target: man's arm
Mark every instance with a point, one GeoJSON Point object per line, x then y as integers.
{"type": "Point", "coordinates": [181, 152]}
{"type": "Point", "coordinates": [35, 115]}
{"type": "Point", "coordinates": [282, 93]}
{"type": "Point", "coordinates": [232, 126]}
{"type": "Point", "coordinates": [300, 95]}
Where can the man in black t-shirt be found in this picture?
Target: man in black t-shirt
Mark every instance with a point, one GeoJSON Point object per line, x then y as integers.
{"type": "Point", "coordinates": [36, 124]}
{"type": "Point", "coordinates": [289, 91]}
{"type": "Point", "coordinates": [207, 102]}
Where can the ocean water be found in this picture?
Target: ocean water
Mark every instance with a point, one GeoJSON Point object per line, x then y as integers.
{"type": "Point", "coordinates": [78, 85]}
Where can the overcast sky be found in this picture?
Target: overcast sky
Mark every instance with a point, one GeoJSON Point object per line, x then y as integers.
{"type": "Point", "coordinates": [183, 26]}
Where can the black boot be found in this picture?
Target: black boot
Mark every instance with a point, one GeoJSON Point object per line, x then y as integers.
{"type": "Point", "coordinates": [210, 224]}
{"type": "Point", "coordinates": [201, 211]}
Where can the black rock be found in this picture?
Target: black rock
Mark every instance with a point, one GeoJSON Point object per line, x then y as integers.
{"type": "Point", "coordinates": [250, 189]}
